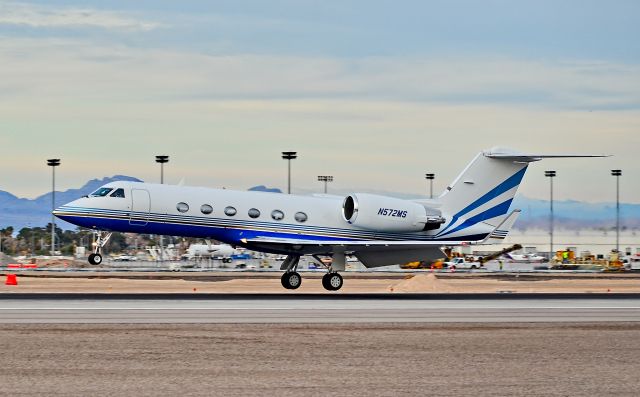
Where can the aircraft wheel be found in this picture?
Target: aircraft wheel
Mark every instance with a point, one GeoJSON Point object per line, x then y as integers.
{"type": "Point", "coordinates": [332, 281]}
{"type": "Point", "coordinates": [95, 259]}
{"type": "Point", "coordinates": [291, 280]}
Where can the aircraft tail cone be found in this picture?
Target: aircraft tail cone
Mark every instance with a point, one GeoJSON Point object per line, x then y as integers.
{"type": "Point", "coordinates": [11, 280]}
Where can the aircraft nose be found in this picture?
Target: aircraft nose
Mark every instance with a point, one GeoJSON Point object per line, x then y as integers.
{"type": "Point", "coordinates": [63, 209]}
{"type": "Point", "coordinates": [58, 211]}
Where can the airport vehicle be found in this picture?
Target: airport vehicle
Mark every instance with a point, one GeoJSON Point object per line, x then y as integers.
{"type": "Point", "coordinates": [462, 263]}
{"type": "Point", "coordinates": [498, 254]}
{"type": "Point", "coordinates": [633, 262]}
{"type": "Point", "coordinates": [436, 265]}
{"type": "Point", "coordinates": [378, 230]}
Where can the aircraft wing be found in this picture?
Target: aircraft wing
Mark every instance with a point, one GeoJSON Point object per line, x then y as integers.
{"type": "Point", "coordinates": [347, 245]}
{"type": "Point", "coordinates": [372, 253]}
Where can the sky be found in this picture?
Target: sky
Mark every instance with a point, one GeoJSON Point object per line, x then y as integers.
{"type": "Point", "coordinates": [375, 93]}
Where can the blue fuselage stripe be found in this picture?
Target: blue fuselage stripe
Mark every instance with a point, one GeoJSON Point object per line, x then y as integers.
{"type": "Point", "coordinates": [226, 233]}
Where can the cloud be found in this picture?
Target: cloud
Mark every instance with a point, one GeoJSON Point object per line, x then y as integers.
{"type": "Point", "coordinates": [80, 71]}
{"type": "Point", "coordinates": [39, 16]}
{"type": "Point", "coordinates": [370, 121]}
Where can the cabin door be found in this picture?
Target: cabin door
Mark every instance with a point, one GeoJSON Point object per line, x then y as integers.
{"type": "Point", "coordinates": [140, 207]}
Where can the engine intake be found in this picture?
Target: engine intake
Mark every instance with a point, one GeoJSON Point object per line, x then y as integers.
{"type": "Point", "coordinates": [388, 214]}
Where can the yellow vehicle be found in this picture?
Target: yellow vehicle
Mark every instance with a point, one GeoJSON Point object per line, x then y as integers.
{"type": "Point", "coordinates": [438, 264]}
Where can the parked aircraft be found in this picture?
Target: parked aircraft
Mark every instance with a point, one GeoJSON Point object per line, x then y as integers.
{"type": "Point", "coordinates": [378, 230]}
{"type": "Point", "coordinates": [208, 250]}
{"type": "Point", "coordinates": [525, 258]}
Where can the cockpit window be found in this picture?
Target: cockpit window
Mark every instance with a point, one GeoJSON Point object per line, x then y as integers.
{"type": "Point", "coordinates": [103, 191]}
{"type": "Point", "coordinates": [118, 193]}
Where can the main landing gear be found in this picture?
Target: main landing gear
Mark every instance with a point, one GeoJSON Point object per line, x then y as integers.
{"type": "Point", "coordinates": [101, 240]}
{"type": "Point", "coordinates": [332, 281]}
{"type": "Point", "coordinates": [291, 279]}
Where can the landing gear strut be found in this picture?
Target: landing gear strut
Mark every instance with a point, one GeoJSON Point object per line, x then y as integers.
{"type": "Point", "coordinates": [102, 238]}
{"type": "Point", "coordinates": [291, 279]}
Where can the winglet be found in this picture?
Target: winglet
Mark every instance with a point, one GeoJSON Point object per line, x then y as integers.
{"type": "Point", "coordinates": [500, 232]}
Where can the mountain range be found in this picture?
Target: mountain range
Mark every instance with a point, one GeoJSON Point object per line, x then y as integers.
{"type": "Point", "coordinates": [569, 214]}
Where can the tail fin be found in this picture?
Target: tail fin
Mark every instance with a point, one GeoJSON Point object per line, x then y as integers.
{"type": "Point", "coordinates": [483, 192]}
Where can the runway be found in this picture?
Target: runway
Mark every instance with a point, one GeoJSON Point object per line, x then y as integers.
{"type": "Point", "coordinates": [315, 309]}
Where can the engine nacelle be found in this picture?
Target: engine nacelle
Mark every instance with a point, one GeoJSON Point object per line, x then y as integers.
{"type": "Point", "coordinates": [388, 214]}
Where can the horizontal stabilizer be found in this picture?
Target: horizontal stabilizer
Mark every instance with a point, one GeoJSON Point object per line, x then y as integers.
{"type": "Point", "coordinates": [508, 154]}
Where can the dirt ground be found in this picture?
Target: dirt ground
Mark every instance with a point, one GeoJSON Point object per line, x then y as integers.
{"type": "Point", "coordinates": [270, 283]}
{"type": "Point", "coordinates": [321, 360]}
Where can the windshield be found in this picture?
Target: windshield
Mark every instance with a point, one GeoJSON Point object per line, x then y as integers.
{"type": "Point", "coordinates": [118, 193]}
{"type": "Point", "coordinates": [103, 191]}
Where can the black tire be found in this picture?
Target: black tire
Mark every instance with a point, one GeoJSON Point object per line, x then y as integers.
{"type": "Point", "coordinates": [284, 280]}
{"type": "Point", "coordinates": [332, 281]}
{"type": "Point", "coordinates": [95, 259]}
{"type": "Point", "coordinates": [291, 280]}
{"type": "Point", "coordinates": [325, 282]}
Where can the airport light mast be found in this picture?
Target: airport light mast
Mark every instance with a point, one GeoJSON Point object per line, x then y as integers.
{"type": "Point", "coordinates": [325, 179]}
{"type": "Point", "coordinates": [430, 178]}
{"type": "Point", "coordinates": [617, 174]}
{"type": "Point", "coordinates": [550, 174]}
{"type": "Point", "coordinates": [53, 163]}
{"type": "Point", "coordinates": [289, 156]}
{"type": "Point", "coordinates": [162, 160]}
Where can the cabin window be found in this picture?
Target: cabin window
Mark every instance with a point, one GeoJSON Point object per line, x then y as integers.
{"type": "Point", "coordinates": [254, 212]}
{"type": "Point", "coordinates": [300, 216]}
{"type": "Point", "coordinates": [230, 211]}
{"type": "Point", "coordinates": [182, 207]}
{"type": "Point", "coordinates": [118, 193]}
{"type": "Point", "coordinates": [277, 215]}
{"type": "Point", "coordinates": [206, 209]}
{"type": "Point", "coordinates": [103, 191]}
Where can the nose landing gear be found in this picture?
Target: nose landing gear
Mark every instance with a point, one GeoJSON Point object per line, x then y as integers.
{"type": "Point", "coordinates": [101, 240]}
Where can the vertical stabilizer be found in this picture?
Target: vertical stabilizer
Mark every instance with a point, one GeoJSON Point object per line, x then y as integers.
{"type": "Point", "coordinates": [483, 192]}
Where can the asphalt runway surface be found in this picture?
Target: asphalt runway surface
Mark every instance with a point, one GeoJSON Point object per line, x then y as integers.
{"type": "Point", "coordinates": [319, 345]}
{"type": "Point", "coordinates": [393, 359]}
{"type": "Point", "coordinates": [302, 309]}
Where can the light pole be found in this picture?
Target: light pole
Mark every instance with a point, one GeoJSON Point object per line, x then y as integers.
{"type": "Point", "coordinates": [617, 174]}
{"type": "Point", "coordinates": [289, 156]}
{"type": "Point", "coordinates": [53, 163]}
{"type": "Point", "coordinates": [325, 179]}
{"type": "Point", "coordinates": [162, 160]}
{"type": "Point", "coordinates": [550, 175]}
{"type": "Point", "coordinates": [430, 178]}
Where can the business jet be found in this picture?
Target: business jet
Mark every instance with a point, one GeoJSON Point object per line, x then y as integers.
{"type": "Point", "coordinates": [378, 230]}
{"type": "Point", "coordinates": [208, 250]}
